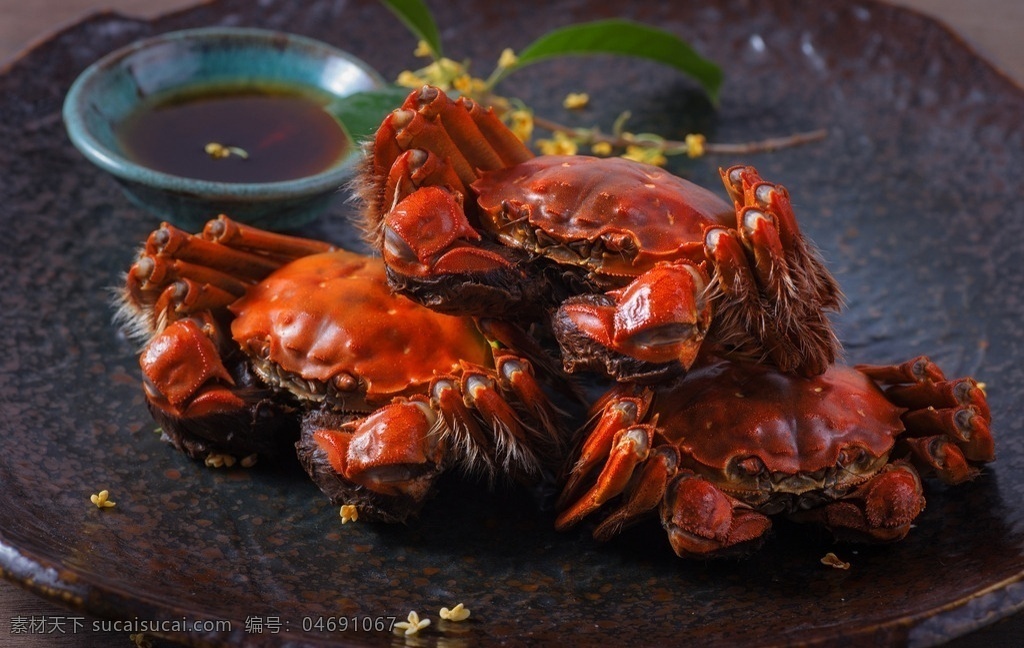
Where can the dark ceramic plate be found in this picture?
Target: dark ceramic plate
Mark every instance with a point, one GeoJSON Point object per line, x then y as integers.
{"type": "Point", "coordinates": [914, 198]}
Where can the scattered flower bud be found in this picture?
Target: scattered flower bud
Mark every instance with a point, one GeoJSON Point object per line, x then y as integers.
{"type": "Point", "coordinates": [559, 144]}
{"type": "Point", "coordinates": [507, 59]}
{"type": "Point", "coordinates": [833, 560]}
{"type": "Point", "coordinates": [413, 625]}
{"type": "Point", "coordinates": [695, 145]}
{"type": "Point", "coordinates": [576, 100]}
{"type": "Point", "coordinates": [349, 513]}
{"type": "Point", "coordinates": [423, 50]}
{"type": "Point", "coordinates": [100, 499]}
{"type": "Point", "coordinates": [457, 613]}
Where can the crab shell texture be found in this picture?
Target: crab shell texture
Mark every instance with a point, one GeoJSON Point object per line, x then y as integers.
{"type": "Point", "coordinates": [630, 267]}
{"type": "Point", "coordinates": [358, 353]}
{"type": "Point", "coordinates": [731, 444]}
{"type": "Point", "coordinates": [613, 217]}
{"type": "Point", "coordinates": [777, 442]}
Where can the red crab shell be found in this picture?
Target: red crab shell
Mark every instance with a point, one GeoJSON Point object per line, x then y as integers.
{"type": "Point", "coordinates": [377, 344]}
{"type": "Point", "coordinates": [731, 444]}
{"type": "Point", "coordinates": [620, 204]}
{"type": "Point", "coordinates": [758, 434]}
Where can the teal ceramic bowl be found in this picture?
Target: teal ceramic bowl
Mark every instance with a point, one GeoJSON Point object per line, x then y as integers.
{"type": "Point", "coordinates": [115, 87]}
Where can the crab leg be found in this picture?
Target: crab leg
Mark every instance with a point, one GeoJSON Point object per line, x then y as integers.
{"type": "Point", "coordinates": [948, 421]}
{"type": "Point", "coordinates": [644, 494]}
{"type": "Point", "coordinates": [513, 439]}
{"type": "Point", "coordinates": [470, 439]}
{"type": "Point", "coordinates": [516, 375]}
{"type": "Point", "coordinates": [630, 448]}
{"type": "Point", "coordinates": [178, 274]}
{"type": "Point", "coordinates": [456, 120]}
{"type": "Point", "coordinates": [745, 187]}
{"type": "Point", "coordinates": [462, 137]}
{"type": "Point", "coordinates": [506, 144]}
{"type": "Point", "coordinates": [776, 309]}
{"type": "Point", "coordinates": [916, 370]}
{"type": "Point", "coordinates": [237, 235]}
{"type": "Point", "coordinates": [617, 413]}
{"type": "Point", "coordinates": [178, 244]}
{"type": "Point", "coordinates": [476, 412]}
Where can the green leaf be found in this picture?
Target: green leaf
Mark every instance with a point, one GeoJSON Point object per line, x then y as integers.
{"type": "Point", "coordinates": [417, 17]}
{"type": "Point", "coordinates": [361, 113]}
{"type": "Point", "coordinates": [627, 38]}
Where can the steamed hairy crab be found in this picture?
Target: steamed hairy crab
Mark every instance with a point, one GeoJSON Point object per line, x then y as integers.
{"type": "Point", "coordinates": [635, 270]}
{"type": "Point", "coordinates": [731, 444]}
{"type": "Point", "coordinates": [248, 333]}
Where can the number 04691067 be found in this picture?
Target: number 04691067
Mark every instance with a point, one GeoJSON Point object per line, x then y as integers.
{"type": "Point", "coordinates": [349, 624]}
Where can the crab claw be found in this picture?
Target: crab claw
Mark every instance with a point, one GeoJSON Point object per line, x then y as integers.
{"type": "Point", "coordinates": [184, 374]}
{"type": "Point", "coordinates": [200, 406]}
{"type": "Point", "coordinates": [385, 463]}
{"type": "Point", "coordinates": [653, 326]}
{"type": "Point", "coordinates": [427, 233]}
{"type": "Point", "coordinates": [701, 520]}
{"type": "Point", "coordinates": [880, 510]}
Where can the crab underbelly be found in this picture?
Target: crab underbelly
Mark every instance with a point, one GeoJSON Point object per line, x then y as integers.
{"type": "Point", "coordinates": [774, 493]}
{"type": "Point", "coordinates": [318, 392]}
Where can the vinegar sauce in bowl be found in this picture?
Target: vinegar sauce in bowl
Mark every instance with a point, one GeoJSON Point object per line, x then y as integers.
{"type": "Point", "coordinates": [240, 135]}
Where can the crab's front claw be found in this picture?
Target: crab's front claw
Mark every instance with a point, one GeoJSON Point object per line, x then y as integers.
{"type": "Point", "coordinates": [204, 410]}
{"type": "Point", "coordinates": [384, 464]}
{"type": "Point", "coordinates": [183, 373]}
{"type": "Point", "coordinates": [703, 521]}
{"type": "Point", "coordinates": [649, 330]}
{"type": "Point", "coordinates": [436, 257]}
{"type": "Point", "coordinates": [879, 510]}
{"type": "Point", "coordinates": [428, 234]}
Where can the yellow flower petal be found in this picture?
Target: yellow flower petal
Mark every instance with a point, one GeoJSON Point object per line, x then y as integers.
{"type": "Point", "coordinates": [508, 58]}
{"type": "Point", "coordinates": [559, 144]}
{"type": "Point", "coordinates": [412, 625]}
{"type": "Point", "coordinates": [833, 560]}
{"type": "Point", "coordinates": [645, 154]}
{"type": "Point", "coordinates": [349, 513]}
{"type": "Point", "coordinates": [456, 614]}
{"type": "Point", "coordinates": [576, 100]}
{"type": "Point", "coordinates": [520, 122]}
{"type": "Point", "coordinates": [423, 50]}
{"type": "Point", "coordinates": [695, 145]}
{"type": "Point", "coordinates": [408, 79]}
{"type": "Point", "coordinates": [101, 499]}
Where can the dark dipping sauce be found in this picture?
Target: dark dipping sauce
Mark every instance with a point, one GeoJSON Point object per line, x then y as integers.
{"type": "Point", "coordinates": [284, 135]}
